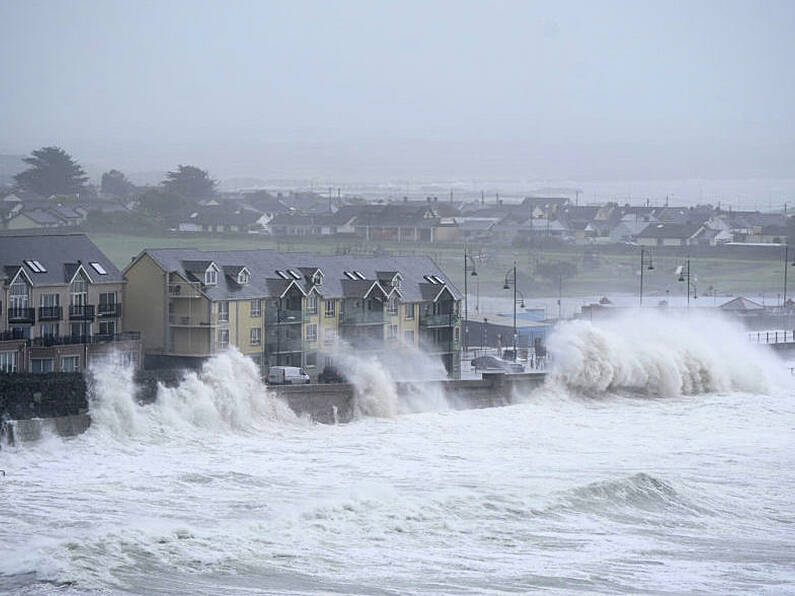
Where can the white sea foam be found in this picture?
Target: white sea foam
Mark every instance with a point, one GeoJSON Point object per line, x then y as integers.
{"type": "Point", "coordinates": [651, 353]}
{"type": "Point", "coordinates": [226, 394]}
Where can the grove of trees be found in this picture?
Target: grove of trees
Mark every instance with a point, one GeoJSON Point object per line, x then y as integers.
{"type": "Point", "coordinates": [52, 171]}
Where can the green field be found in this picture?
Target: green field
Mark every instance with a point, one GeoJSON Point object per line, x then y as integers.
{"type": "Point", "coordinates": [604, 272]}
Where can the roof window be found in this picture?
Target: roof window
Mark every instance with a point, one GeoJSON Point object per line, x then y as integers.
{"type": "Point", "coordinates": [99, 268]}
{"type": "Point", "coordinates": [350, 275]}
{"type": "Point", "coordinates": [293, 274]}
{"type": "Point", "coordinates": [35, 266]}
{"type": "Point", "coordinates": [359, 274]}
{"type": "Point", "coordinates": [282, 274]}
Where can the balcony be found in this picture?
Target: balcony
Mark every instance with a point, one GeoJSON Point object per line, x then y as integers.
{"type": "Point", "coordinates": [180, 320]}
{"type": "Point", "coordinates": [65, 340]}
{"type": "Point", "coordinates": [107, 311]}
{"type": "Point", "coordinates": [288, 344]}
{"type": "Point", "coordinates": [364, 317]}
{"type": "Point", "coordinates": [439, 320]}
{"type": "Point", "coordinates": [81, 312]}
{"type": "Point", "coordinates": [284, 317]}
{"type": "Point", "coordinates": [21, 315]}
{"type": "Point", "coordinates": [50, 313]}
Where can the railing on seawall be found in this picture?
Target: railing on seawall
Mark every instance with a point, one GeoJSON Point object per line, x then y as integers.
{"type": "Point", "coordinates": [772, 337]}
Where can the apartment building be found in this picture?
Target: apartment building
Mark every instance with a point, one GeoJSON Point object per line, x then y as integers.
{"type": "Point", "coordinates": [288, 308]}
{"type": "Point", "coordinates": [60, 304]}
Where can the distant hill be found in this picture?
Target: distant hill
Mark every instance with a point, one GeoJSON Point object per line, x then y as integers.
{"type": "Point", "coordinates": [10, 166]}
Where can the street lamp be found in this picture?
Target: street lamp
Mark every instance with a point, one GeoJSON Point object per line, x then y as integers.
{"type": "Point", "coordinates": [786, 263]}
{"type": "Point", "coordinates": [685, 275]}
{"type": "Point", "coordinates": [466, 303]}
{"type": "Point", "coordinates": [643, 253]}
{"type": "Point", "coordinates": [505, 287]}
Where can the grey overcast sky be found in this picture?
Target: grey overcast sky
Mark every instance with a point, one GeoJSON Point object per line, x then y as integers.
{"type": "Point", "coordinates": [388, 90]}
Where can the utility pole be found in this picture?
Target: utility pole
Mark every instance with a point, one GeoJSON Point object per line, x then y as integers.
{"type": "Point", "coordinates": [514, 311]}
{"type": "Point", "coordinates": [466, 309]}
{"type": "Point", "coordinates": [651, 268]}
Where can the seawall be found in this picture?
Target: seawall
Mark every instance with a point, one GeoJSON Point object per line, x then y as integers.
{"type": "Point", "coordinates": [31, 404]}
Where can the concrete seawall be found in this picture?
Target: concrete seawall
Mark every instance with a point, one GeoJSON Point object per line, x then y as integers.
{"type": "Point", "coordinates": [32, 404]}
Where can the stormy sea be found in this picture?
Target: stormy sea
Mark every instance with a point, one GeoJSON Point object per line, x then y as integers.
{"type": "Point", "coordinates": [659, 457]}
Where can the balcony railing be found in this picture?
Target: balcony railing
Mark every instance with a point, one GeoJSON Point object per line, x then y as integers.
{"type": "Point", "coordinates": [65, 340]}
{"type": "Point", "coordinates": [438, 320]}
{"type": "Point", "coordinates": [285, 345]}
{"type": "Point", "coordinates": [442, 346]}
{"type": "Point", "coordinates": [21, 315]}
{"type": "Point", "coordinates": [81, 312]}
{"type": "Point", "coordinates": [13, 334]}
{"type": "Point", "coordinates": [50, 313]}
{"type": "Point", "coordinates": [109, 310]}
{"type": "Point", "coordinates": [283, 317]}
{"type": "Point", "coordinates": [366, 317]}
{"type": "Point", "coordinates": [189, 321]}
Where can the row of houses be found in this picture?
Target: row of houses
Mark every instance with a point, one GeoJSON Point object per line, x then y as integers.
{"type": "Point", "coordinates": [64, 303]}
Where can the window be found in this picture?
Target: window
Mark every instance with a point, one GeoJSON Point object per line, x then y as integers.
{"type": "Point", "coordinates": [99, 268]}
{"type": "Point", "coordinates": [41, 365]}
{"type": "Point", "coordinates": [8, 362]}
{"type": "Point", "coordinates": [223, 311]}
{"type": "Point", "coordinates": [409, 310]}
{"type": "Point", "coordinates": [329, 336]}
{"type": "Point", "coordinates": [392, 305]}
{"type": "Point", "coordinates": [107, 327]}
{"type": "Point", "coordinates": [256, 307]}
{"type": "Point", "coordinates": [255, 336]}
{"type": "Point", "coordinates": [79, 290]}
{"type": "Point", "coordinates": [49, 329]}
{"type": "Point", "coordinates": [293, 274]}
{"type": "Point", "coordinates": [311, 304]}
{"type": "Point", "coordinates": [35, 266]}
{"type": "Point", "coordinates": [243, 277]}
{"type": "Point", "coordinates": [317, 279]}
{"type": "Point", "coordinates": [49, 300]}
{"type": "Point", "coordinates": [211, 276]}
{"type": "Point", "coordinates": [70, 363]}
{"type": "Point", "coordinates": [20, 293]}
{"type": "Point", "coordinates": [396, 281]}
{"type": "Point", "coordinates": [282, 274]}
{"type": "Point", "coordinates": [80, 329]}
{"type": "Point", "coordinates": [223, 338]}
{"type": "Point", "coordinates": [392, 332]}
{"type": "Point", "coordinates": [311, 332]}
{"type": "Point", "coordinates": [330, 308]}
{"type": "Point", "coordinates": [107, 303]}
{"type": "Point", "coordinates": [408, 336]}
{"type": "Point", "coordinates": [456, 334]}
{"type": "Point", "coordinates": [311, 360]}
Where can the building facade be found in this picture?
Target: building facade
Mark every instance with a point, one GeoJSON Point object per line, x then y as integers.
{"type": "Point", "coordinates": [60, 305]}
{"type": "Point", "coordinates": [290, 309]}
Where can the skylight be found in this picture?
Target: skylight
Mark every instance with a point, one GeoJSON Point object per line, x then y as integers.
{"type": "Point", "coordinates": [431, 279]}
{"type": "Point", "coordinates": [282, 274]}
{"type": "Point", "coordinates": [438, 280]}
{"type": "Point", "coordinates": [294, 275]}
{"type": "Point", "coordinates": [99, 268]}
{"type": "Point", "coordinates": [360, 275]}
{"type": "Point", "coordinates": [35, 266]}
{"type": "Point", "coordinates": [350, 275]}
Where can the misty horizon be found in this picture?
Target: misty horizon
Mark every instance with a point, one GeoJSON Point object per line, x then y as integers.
{"type": "Point", "coordinates": [371, 93]}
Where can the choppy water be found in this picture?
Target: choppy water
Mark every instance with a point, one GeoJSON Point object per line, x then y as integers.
{"type": "Point", "coordinates": [215, 491]}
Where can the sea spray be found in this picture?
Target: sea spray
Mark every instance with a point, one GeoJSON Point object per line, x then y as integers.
{"type": "Point", "coordinates": [226, 394]}
{"type": "Point", "coordinates": [658, 354]}
{"type": "Point", "coordinates": [375, 377]}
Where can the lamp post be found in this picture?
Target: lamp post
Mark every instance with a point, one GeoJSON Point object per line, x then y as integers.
{"type": "Point", "coordinates": [786, 266]}
{"type": "Point", "coordinates": [505, 287]}
{"type": "Point", "coordinates": [466, 296]}
{"type": "Point", "coordinates": [684, 275]}
{"type": "Point", "coordinates": [643, 252]}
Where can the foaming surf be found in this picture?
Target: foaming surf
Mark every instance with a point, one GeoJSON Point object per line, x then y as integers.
{"type": "Point", "coordinates": [647, 353]}
{"type": "Point", "coordinates": [227, 394]}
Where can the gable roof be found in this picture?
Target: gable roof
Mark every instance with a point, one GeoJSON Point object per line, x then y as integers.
{"type": "Point", "coordinates": [741, 304]}
{"type": "Point", "coordinates": [59, 254]}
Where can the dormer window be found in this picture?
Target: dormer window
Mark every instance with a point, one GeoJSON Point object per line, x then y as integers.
{"type": "Point", "coordinates": [396, 281]}
{"type": "Point", "coordinates": [211, 275]}
{"type": "Point", "coordinates": [317, 278]}
{"type": "Point", "coordinates": [243, 277]}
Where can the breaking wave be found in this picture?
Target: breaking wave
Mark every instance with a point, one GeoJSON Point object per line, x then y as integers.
{"type": "Point", "coordinates": [652, 354]}
{"type": "Point", "coordinates": [226, 394]}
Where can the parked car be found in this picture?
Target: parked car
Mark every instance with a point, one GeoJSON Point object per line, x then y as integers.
{"type": "Point", "coordinates": [287, 375]}
{"type": "Point", "coordinates": [331, 374]}
{"type": "Point", "coordinates": [492, 363]}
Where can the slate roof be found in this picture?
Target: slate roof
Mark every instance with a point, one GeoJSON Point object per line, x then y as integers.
{"type": "Point", "coordinates": [741, 304]}
{"type": "Point", "coordinates": [59, 254]}
{"type": "Point", "coordinates": [263, 265]}
{"type": "Point", "coordinates": [669, 230]}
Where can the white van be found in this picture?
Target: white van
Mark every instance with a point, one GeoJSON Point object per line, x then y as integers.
{"type": "Point", "coordinates": [287, 375]}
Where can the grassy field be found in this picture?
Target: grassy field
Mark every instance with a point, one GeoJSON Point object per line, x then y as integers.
{"type": "Point", "coordinates": [602, 273]}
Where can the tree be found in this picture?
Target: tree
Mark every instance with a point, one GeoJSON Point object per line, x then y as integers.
{"type": "Point", "coordinates": [115, 183]}
{"type": "Point", "coordinates": [52, 171]}
{"type": "Point", "coordinates": [190, 182]}
{"type": "Point", "coordinates": [160, 202]}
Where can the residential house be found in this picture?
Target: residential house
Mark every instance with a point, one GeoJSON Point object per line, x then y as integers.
{"type": "Point", "coordinates": [60, 304]}
{"type": "Point", "coordinates": [672, 234]}
{"type": "Point", "coordinates": [288, 308]}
